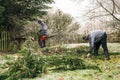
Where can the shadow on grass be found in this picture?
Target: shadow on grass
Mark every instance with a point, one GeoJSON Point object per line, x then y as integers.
{"type": "Point", "coordinates": [115, 53]}
{"type": "Point", "coordinates": [102, 56]}
{"type": "Point", "coordinates": [62, 69]}
{"type": "Point", "coordinates": [94, 68]}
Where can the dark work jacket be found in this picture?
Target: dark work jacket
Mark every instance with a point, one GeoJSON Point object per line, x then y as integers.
{"type": "Point", "coordinates": [43, 30]}
{"type": "Point", "coordinates": [43, 26]}
{"type": "Point", "coordinates": [95, 37]}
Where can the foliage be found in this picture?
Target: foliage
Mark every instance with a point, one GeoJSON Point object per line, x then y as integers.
{"type": "Point", "coordinates": [68, 67]}
{"type": "Point", "coordinates": [60, 23]}
{"type": "Point", "coordinates": [27, 65]}
{"type": "Point", "coordinates": [64, 58]}
{"type": "Point", "coordinates": [66, 62]}
{"type": "Point", "coordinates": [64, 50]}
{"type": "Point", "coordinates": [110, 69]}
{"type": "Point", "coordinates": [116, 26]}
{"type": "Point", "coordinates": [15, 13]}
{"type": "Point", "coordinates": [1, 16]}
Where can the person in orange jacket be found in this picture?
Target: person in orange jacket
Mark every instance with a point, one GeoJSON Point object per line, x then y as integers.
{"type": "Point", "coordinates": [42, 41]}
{"type": "Point", "coordinates": [42, 34]}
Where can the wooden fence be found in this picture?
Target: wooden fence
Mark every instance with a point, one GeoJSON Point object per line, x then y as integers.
{"type": "Point", "coordinates": [4, 41]}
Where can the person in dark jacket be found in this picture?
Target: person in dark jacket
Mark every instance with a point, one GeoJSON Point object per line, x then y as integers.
{"type": "Point", "coordinates": [97, 38]}
{"type": "Point", "coordinates": [42, 34]}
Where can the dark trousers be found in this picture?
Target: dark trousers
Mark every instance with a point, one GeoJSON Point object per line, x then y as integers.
{"type": "Point", "coordinates": [102, 42]}
{"type": "Point", "coordinates": [42, 43]}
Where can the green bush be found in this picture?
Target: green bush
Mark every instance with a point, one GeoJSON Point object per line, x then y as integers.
{"type": "Point", "coordinates": [26, 66]}
{"type": "Point", "coordinates": [65, 58]}
{"type": "Point", "coordinates": [29, 65]}
{"type": "Point", "coordinates": [66, 62]}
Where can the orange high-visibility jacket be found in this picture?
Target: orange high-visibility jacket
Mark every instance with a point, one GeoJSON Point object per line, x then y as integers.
{"type": "Point", "coordinates": [43, 37]}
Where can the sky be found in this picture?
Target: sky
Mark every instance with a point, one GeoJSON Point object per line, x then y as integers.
{"type": "Point", "coordinates": [67, 6]}
{"type": "Point", "coordinates": [78, 9]}
{"type": "Point", "coordinates": [74, 8]}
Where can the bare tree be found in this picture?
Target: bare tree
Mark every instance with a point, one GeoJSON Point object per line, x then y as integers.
{"type": "Point", "coordinates": [113, 11]}
{"type": "Point", "coordinates": [105, 11]}
{"type": "Point", "coordinates": [61, 25]}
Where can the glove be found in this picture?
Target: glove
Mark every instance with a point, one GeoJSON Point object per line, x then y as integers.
{"type": "Point", "coordinates": [88, 55]}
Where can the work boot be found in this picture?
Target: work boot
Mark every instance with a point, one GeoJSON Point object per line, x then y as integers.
{"type": "Point", "coordinates": [107, 58]}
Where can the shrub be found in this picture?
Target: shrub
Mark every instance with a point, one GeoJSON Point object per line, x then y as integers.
{"type": "Point", "coordinates": [29, 65]}
{"type": "Point", "coordinates": [66, 62]}
{"type": "Point", "coordinates": [26, 66]}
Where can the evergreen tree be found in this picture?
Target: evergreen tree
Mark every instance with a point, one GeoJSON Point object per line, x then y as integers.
{"type": "Point", "coordinates": [14, 13]}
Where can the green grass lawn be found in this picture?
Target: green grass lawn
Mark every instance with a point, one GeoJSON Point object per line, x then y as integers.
{"type": "Point", "coordinates": [108, 70]}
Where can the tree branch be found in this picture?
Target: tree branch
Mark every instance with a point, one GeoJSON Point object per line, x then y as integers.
{"type": "Point", "coordinates": [117, 5]}
{"type": "Point", "coordinates": [99, 16]}
{"type": "Point", "coordinates": [113, 6]}
{"type": "Point", "coordinates": [111, 13]}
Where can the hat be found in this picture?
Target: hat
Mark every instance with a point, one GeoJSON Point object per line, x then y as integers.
{"type": "Point", "coordinates": [39, 21]}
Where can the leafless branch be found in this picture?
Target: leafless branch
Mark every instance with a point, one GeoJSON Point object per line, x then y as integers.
{"type": "Point", "coordinates": [113, 6]}
{"type": "Point", "coordinates": [111, 13]}
{"type": "Point", "coordinates": [96, 16]}
{"type": "Point", "coordinates": [116, 28]}
{"type": "Point", "coordinates": [117, 5]}
{"type": "Point", "coordinates": [92, 10]}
